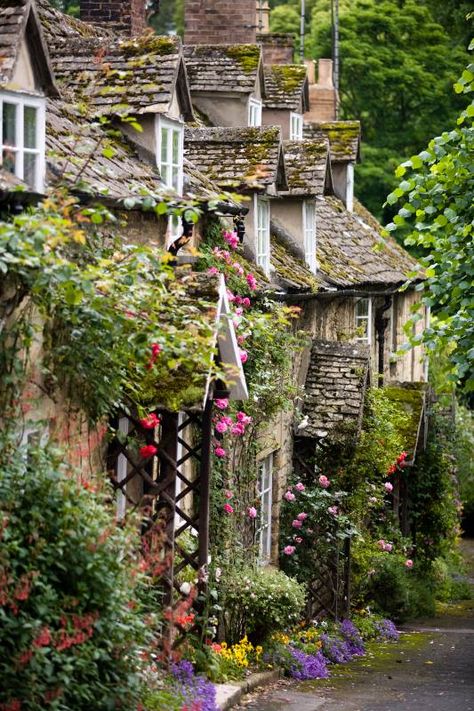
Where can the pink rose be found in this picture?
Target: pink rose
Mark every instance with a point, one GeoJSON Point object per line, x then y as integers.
{"type": "Point", "coordinates": [381, 544]}
{"type": "Point", "coordinates": [231, 239]}
{"type": "Point", "coordinates": [324, 481]}
{"type": "Point", "coordinates": [243, 418]}
{"type": "Point", "coordinates": [388, 487]}
{"type": "Point", "coordinates": [296, 523]}
{"type": "Point", "coordinates": [237, 300]}
{"type": "Point", "coordinates": [409, 563]}
{"type": "Point", "coordinates": [230, 296]}
{"type": "Point", "coordinates": [299, 486]}
{"type": "Point", "coordinates": [252, 512]}
{"type": "Point", "coordinates": [289, 550]}
{"type": "Point", "coordinates": [240, 340]}
{"type": "Point", "coordinates": [228, 494]}
{"type": "Point", "coordinates": [298, 539]}
{"type": "Point", "coordinates": [251, 281]}
{"type": "Point", "coordinates": [289, 496]}
{"type": "Point", "coordinates": [302, 516]}
{"type": "Point", "coordinates": [220, 452]}
{"type": "Point", "coordinates": [239, 311]}
{"type": "Point", "coordinates": [213, 270]}
{"type": "Point", "coordinates": [238, 429]}
{"type": "Point", "coordinates": [221, 403]}
{"type": "Point", "coordinates": [228, 509]}
{"type": "Point", "coordinates": [221, 427]}
{"type": "Point", "coordinates": [333, 510]}
{"type": "Point", "coordinates": [388, 547]}
{"type": "Point", "coordinates": [246, 302]}
{"type": "Point", "coordinates": [227, 420]}
{"type": "Point", "coordinates": [244, 356]}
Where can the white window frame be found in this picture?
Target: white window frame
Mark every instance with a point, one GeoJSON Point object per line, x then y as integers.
{"type": "Point", "coordinates": [350, 187]}
{"type": "Point", "coordinates": [359, 319]}
{"type": "Point", "coordinates": [172, 127]}
{"type": "Point", "coordinates": [255, 112]}
{"type": "Point", "coordinates": [262, 233]}
{"type": "Point", "coordinates": [309, 234]}
{"type": "Point", "coordinates": [265, 493]}
{"type": "Point", "coordinates": [21, 102]}
{"type": "Point", "coordinates": [296, 126]}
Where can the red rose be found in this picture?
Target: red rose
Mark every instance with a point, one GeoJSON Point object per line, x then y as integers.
{"type": "Point", "coordinates": [147, 451]}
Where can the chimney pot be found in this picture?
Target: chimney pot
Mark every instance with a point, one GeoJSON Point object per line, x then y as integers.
{"type": "Point", "coordinates": [325, 73]}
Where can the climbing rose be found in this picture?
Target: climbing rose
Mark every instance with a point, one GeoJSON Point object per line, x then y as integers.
{"type": "Point", "coordinates": [296, 523]}
{"type": "Point", "coordinates": [251, 281]}
{"type": "Point", "coordinates": [324, 481]}
{"type": "Point", "coordinates": [228, 508]}
{"type": "Point", "coordinates": [408, 563]}
{"type": "Point", "coordinates": [388, 547]}
{"type": "Point", "coordinates": [238, 429]}
{"type": "Point", "coordinates": [302, 516]}
{"type": "Point", "coordinates": [289, 550]}
{"type": "Point", "coordinates": [381, 544]}
{"type": "Point", "coordinates": [150, 421]}
{"type": "Point", "coordinates": [246, 302]}
{"type": "Point", "coordinates": [392, 469]}
{"type": "Point", "coordinates": [220, 452]}
{"type": "Point", "coordinates": [230, 296]}
{"type": "Point", "coordinates": [243, 418]}
{"type": "Point", "coordinates": [221, 403]}
{"type": "Point", "coordinates": [244, 356]}
{"type": "Point", "coordinates": [148, 450]}
{"type": "Point", "coordinates": [240, 340]}
{"type": "Point", "coordinates": [298, 539]}
{"type": "Point", "coordinates": [333, 510]}
{"type": "Point", "coordinates": [299, 486]}
{"type": "Point", "coordinates": [221, 426]}
{"type": "Point", "coordinates": [289, 496]}
{"type": "Point", "coordinates": [238, 268]}
{"type": "Point", "coordinates": [252, 512]}
{"type": "Point", "coordinates": [388, 487]}
{"type": "Point", "coordinates": [401, 457]}
{"type": "Point", "coordinates": [231, 239]}
{"type": "Point", "coordinates": [213, 270]}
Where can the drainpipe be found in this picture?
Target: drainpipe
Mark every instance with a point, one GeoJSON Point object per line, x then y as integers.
{"type": "Point", "coordinates": [381, 324]}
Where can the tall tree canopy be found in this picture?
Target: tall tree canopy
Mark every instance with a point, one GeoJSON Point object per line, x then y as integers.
{"type": "Point", "coordinates": [437, 210]}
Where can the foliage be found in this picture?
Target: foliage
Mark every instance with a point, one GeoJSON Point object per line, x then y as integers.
{"type": "Point", "coordinates": [437, 192]}
{"type": "Point", "coordinates": [464, 450]}
{"type": "Point", "coordinates": [258, 601]}
{"type": "Point", "coordinates": [69, 637]}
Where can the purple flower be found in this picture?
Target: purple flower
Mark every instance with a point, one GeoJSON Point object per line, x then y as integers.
{"type": "Point", "coordinates": [192, 688]}
{"type": "Point", "coordinates": [386, 630]}
{"type": "Point", "coordinates": [335, 649]}
{"type": "Point", "coordinates": [307, 666]}
{"type": "Point", "coordinates": [352, 637]}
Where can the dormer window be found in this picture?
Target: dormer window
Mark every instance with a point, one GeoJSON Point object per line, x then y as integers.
{"type": "Point", "coordinates": [363, 321]}
{"type": "Point", "coordinates": [23, 138]}
{"type": "Point", "coordinates": [262, 233]}
{"type": "Point", "coordinates": [309, 234]}
{"type": "Point", "coordinates": [296, 127]}
{"type": "Point", "coordinates": [170, 153]}
{"type": "Point", "coordinates": [255, 112]}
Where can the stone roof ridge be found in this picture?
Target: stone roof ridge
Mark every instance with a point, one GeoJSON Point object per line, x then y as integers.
{"type": "Point", "coordinates": [286, 87]}
{"type": "Point", "coordinates": [224, 67]}
{"type": "Point", "coordinates": [343, 136]}
{"type": "Point", "coordinates": [341, 349]}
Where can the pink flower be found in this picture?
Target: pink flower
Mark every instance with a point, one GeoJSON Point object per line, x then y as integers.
{"type": "Point", "coordinates": [239, 311]}
{"type": "Point", "coordinates": [252, 512]}
{"type": "Point", "coordinates": [220, 452]}
{"type": "Point", "coordinates": [228, 509]}
{"type": "Point", "coordinates": [240, 340]}
{"type": "Point", "coordinates": [221, 427]}
{"type": "Point", "coordinates": [296, 523]}
{"type": "Point", "coordinates": [333, 510]}
{"type": "Point", "coordinates": [231, 239]}
{"type": "Point", "coordinates": [409, 563]}
{"type": "Point", "coordinates": [289, 496]}
{"type": "Point", "coordinates": [324, 481]}
{"type": "Point", "coordinates": [243, 356]}
{"type": "Point", "coordinates": [213, 270]}
{"type": "Point", "coordinates": [289, 550]}
{"type": "Point", "coordinates": [147, 451]}
{"type": "Point", "coordinates": [381, 544]}
{"type": "Point", "coordinates": [228, 494]}
{"type": "Point", "coordinates": [302, 516]}
{"type": "Point", "coordinates": [230, 296]}
{"type": "Point", "coordinates": [246, 302]}
{"type": "Point", "coordinates": [298, 539]}
{"type": "Point", "coordinates": [238, 268]}
{"type": "Point", "coordinates": [238, 429]}
{"type": "Point", "coordinates": [388, 487]}
{"type": "Point", "coordinates": [299, 486]}
{"type": "Point", "coordinates": [221, 403]}
{"type": "Point", "coordinates": [388, 547]}
{"type": "Point", "coordinates": [243, 418]}
{"type": "Point", "coordinates": [228, 420]}
{"type": "Point", "coordinates": [251, 281]}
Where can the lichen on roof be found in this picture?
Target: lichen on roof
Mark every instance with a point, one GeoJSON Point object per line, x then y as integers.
{"type": "Point", "coordinates": [246, 55]}
{"type": "Point", "coordinates": [307, 167]}
{"type": "Point", "coordinates": [344, 138]}
{"type": "Point", "coordinates": [285, 86]}
{"type": "Point", "coordinates": [149, 44]}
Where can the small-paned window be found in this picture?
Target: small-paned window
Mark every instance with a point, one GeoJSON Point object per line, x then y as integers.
{"type": "Point", "coordinates": [363, 320]}
{"type": "Point", "coordinates": [262, 231]}
{"type": "Point", "coordinates": [170, 153]}
{"type": "Point", "coordinates": [296, 127]}
{"type": "Point", "coordinates": [23, 138]}
{"type": "Point", "coordinates": [265, 493]}
{"type": "Point", "coordinates": [309, 233]}
{"type": "Point", "coordinates": [255, 112]}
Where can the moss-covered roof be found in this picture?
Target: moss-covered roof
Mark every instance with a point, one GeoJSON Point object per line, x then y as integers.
{"type": "Point", "coordinates": [352, 253]}
{"type": "Point", "coordinates": [308, 167]}
{"type": "Point", "coordinates": [238, 157]}
{"type": "Point", "coordinates": [410, 397]}
{"type": "Point", "coordinates": [223, 68]}
{"type": "Point", "coordinates": [290, 272]}
{"type": "Point", "coordinates": [343, 136]}
{"type": "Point", "coordinates": [286, 87]}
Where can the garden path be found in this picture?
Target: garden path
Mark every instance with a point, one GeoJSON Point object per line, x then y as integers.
{"type": "Point", "coordinates": [431, 668]}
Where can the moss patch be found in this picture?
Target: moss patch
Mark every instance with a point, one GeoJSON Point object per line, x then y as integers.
{"type": "Point", "coordinates": [246, 55]}
{"type": "Point", "coordinates": [410, 398]}
{"type": "Point", "coordinates": [288, 76]}
{"type": "Point", "coordinates": [149, 44]}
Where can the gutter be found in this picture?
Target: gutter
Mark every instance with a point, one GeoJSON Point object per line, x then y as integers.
{"type": "Point", "coordinates": [330, 294]}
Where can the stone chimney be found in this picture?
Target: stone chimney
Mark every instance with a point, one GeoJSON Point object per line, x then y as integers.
{"type": "Point", "coordinates": [220, 22]}
{"type": "Point", "coordinates": [128, 17]}
{"type": "Point", "coordinates": [277, 47]}
{"type": "Point", "coordinates": [323, 99]}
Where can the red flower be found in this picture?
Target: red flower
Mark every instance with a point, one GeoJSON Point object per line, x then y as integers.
{"type": "Point", "coordinates": [155, 352]}
{"type": "Point", "coordinates": [43, 639]}
{"type": "Point", "coordinates": [150, 421]}
{"type": "Point", "coordinates": [147, 451]}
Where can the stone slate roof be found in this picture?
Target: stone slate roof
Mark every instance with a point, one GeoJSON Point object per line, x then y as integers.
{"type": "Point", "coordinates": [238, 157]}
{"type": "Point", "coordinates": [225, 67]}
{"type": "Point", "coordinates": [198, 186]}
{"type": "Point", "coordinates": [308, 167]}
{"type": "Point", "coordinates": [350, 250]}
{"type": "Point", "coordinates": [18, 21]}
{"type": "Point", "coordinates": [343, 136]}
{"type": "Point", "coordinates": [286, 87]}
{"type": "Point", "coordinates": [335, 389]}
{"type": "Point", "coordinates": [114, 75]}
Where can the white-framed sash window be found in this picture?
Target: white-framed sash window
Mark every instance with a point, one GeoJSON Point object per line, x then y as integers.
{"type": "Point", "coordinates": [363, 320]}
{"type": "Point", "coordinates": [309, 233]}
{"type": "Point", "coordinates": [255, 112]}
{"type": "Point", "coordinates": [265, 493]}
{"type": "Point", "coordinates": [262, 233]}
{"type": "Point", "coordinates": [169, 158]}
{"type": "Point", "coordinates": [296, 127]}
{"type": "Point", "coordinates": [23, 137]}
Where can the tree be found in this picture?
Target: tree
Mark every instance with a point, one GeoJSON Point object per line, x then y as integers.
{"type": "Point", "coordinates": [437, 192]}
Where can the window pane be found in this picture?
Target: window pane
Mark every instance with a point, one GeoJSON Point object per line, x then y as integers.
{"type": "Point", "coordinates": [164, 145]}
{"type": "Point", "coordinates": [362, 307]}
{"type": "Point", "coordinates": [9, 160]}
{"type": "Point", "coordinates": [29, 168]}
{"type": "Point", "coordinates": [29, 127]}
{"type": "Point", "coordinates": [175, 178]}
{"type": "Point", "coordinates": [176, 147]}
{"type": "Point", "coordinates": [165, 174]}
{"type": "Point", "coordinates": [9, 124]}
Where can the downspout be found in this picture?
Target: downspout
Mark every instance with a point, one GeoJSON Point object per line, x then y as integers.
{"type": "Point", "coordinates": [381, 324]}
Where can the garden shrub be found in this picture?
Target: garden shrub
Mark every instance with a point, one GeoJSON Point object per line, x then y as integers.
{"type": "Point", "coordinates": [68, 631]}
{"type": "Point", "coordinates": [258, 601]}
